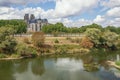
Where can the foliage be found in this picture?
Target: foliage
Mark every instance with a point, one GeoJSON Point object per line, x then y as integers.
{"type": "Point", "coordinates": [94, 35]}
{"type": "Point", "coordinates": [38, 39]}
{"type": "Point", "coordinates": [86, 43]}
{"type": "Point", "coordinates": [110, 38]}
{"type": "Point", "coordinates": [25, 50]}
{"type": "Point", "coordinates": [26, 40]}
{"type": "Point", "coordinates": [58, 27]}
{"type": "Point", "coordinates": [84, 50]}
{"type": "Point", "coordinates": [7, 41]}
{"type": "Point", "coordinates": [18, 25]}
{"type": "Point", "coordinates": [77, 40]}
{"type": "Point", "coordinates": [117, 63]}
{"type": "Point", "coordinates": [2, 55]}
{"type": "Point", "coordinates": [60, 49]}
{"type": "Point", "coordinates": [56, 41]}
{"type": "Point", "coordinates": [106, 39]}
{"type": "Point", "coordinates": [55, 34]}
{"type": "Point", "coordinates": [118, 43]}
{"type": "Point", "coordinates": [113, 29]}
{"type": "Point", "coordinates": [68, 38]}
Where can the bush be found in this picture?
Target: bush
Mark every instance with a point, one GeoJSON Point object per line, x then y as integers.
{"type": "Point", "coordinates": [68, 38]}
{"type": "Point", "coordinates": [56, 41]}
{"type": "Point", "coordinates": [26, 40]}
{"type": "Point", "coordinates": [55, 34]}
{"type": "Point", "coordinates": [86, 43]}
{"type": "Point", "coordinates": [60, 49]}
{"type": "Point", "coordinates": [110, 38]}
{"type": "Point", "coordinates": [77, 40]}
{"type": "Point", "coordinates": [24, 50]}
{"type": "Point", "coordinates": [94, 35]}
{"type": "Point", "coordinates": [7, 41]}
{"type": "Point", "coordinates": [38, 39]}
{"type": "Point", "coordinates": [117, 63]}
{"type": "Point", "coordinates": [118, 44]}
{"type": "Point", "coordinates": [83, 50]}
{"type": "Point", "coordinates": [2, 55]}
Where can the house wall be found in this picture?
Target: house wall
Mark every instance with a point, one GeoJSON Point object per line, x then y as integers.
{"type": "Point", "coordinates": [35, 27]}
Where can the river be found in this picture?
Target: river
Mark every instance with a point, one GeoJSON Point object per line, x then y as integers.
{"type": "Point", "coordinates": [87, 67]}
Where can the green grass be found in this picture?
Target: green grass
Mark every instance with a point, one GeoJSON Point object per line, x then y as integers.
{"type": "Point", "coordinates": [2, 55]}
{"type": "Point", "coordinates": [117, 63]}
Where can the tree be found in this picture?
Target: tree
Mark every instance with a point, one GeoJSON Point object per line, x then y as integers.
{"type": "Point", "coordinates": [7, 41]}
{"type": "Point", "coordinates": [58, 27]}
{"type": "Point", "coordinates": [38, 39]}
{"type": "Point", "coordinates": [86, 43]}
{"type": "Point", "coordinates": [18, 25]}
{"type": "Point", "coordinates": [94, 35]}
{"type": "Point", "coordinates": [110, 39]}
{"type": "Point", "coordinates": [113, 29]}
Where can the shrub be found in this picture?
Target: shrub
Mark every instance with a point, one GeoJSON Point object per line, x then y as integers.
{"type": "Point", "coordinates": [77, 40]}
{"type": "Point", "coordinates": [86, 43]}
{"type": "Point", "coordinates": [60, 49]}
{"type": "Point", "coordinates": [68, 38]}
{"type": "Point", "coordinates": [117, 63]}
{"type": "Point", "coordinates": [26, 40]}
{"type": "Point", "coordinates": [110, 38]}
{"type": "Point", "coordinates": [72, 41]}
{"type": "Point", "coordinates": [94, 35]}
{"type": "Point", "coordinates": [55, 34]}
{"type": "Point", "coordinates": [38, 39]}
{"type": "Point", "coordinates": [24, 50]}
{"type": "Point", "coordinates": [83, 50]}
{"type": "Point", "coordinates": [2, 55]}
{"type": "Point", "coordinates": [56, 41]}
{"type": "Point", "coordinates": [118, 44]}
{"type": "Point", "coordinates": [7, 41]}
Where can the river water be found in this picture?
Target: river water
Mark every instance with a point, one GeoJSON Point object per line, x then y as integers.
{"type": "Point", "coordinates": [87, 67]}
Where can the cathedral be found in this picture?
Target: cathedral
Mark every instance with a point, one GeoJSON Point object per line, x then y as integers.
{"type": "Point", "coordinates": [33, 24]}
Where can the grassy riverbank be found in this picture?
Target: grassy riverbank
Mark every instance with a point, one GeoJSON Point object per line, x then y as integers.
{"type": "Point", "coordinates": [52, 46]}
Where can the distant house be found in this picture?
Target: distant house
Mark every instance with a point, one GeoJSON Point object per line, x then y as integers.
{"type": "Point", "coordinates": [34, 25]}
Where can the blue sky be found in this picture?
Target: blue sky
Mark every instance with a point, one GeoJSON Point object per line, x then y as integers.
{"type": "Point", "coordinates": [73, 13]}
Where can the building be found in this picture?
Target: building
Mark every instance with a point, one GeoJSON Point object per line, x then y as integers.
{"type": "Point", "coordinates": [34, 25]}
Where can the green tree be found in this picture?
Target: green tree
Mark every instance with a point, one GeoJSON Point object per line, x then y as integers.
{"type": "Point", "coordinates": [58, 27]}
{"type": "Point", "coordinates": [18, 25]}
{"type": "Point", "coordinates": [94, 35]}
{"type": "Point", "coordinates": [110, 39]}
{"type": "Point", "coordinates": [7, 41]}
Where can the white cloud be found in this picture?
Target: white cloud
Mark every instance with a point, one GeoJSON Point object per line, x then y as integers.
{"type": "Point", "coordinates": [113, 22]}
{"type": "Point", "coordinates": [76, 23]}
{"type": "Point", "coordinates": [114, 12]}
{"type": "Point", "coordinates": [99, 19]}
{"type": "Point", "coordinates": [55, 20]}
{"type": "Point", "coordinates": [14, 13]}
{"type": "Point", "coordinates": [8, 3]}
{"type": "Point", "coordinates": [110, 3]}
{"type": "Point", "coordinates": [65, 8]}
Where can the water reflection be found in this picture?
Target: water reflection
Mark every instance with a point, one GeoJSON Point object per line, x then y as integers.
{"type": "Point", "coordinates": [86, 67]}
{"type": "Point", "coordinates": [21, 66]}
{"type": "Point", "coordinates": [69, 64]}
{"type": "Point", "coordinates": [38, 66]}
{"type": "Point", "coordinates": [118, 57]}
{"type": "Point", "coordinates": [6, 70]}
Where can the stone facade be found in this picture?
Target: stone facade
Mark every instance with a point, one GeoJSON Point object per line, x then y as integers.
{"type": "Point", "coordinates": [34, 25]}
